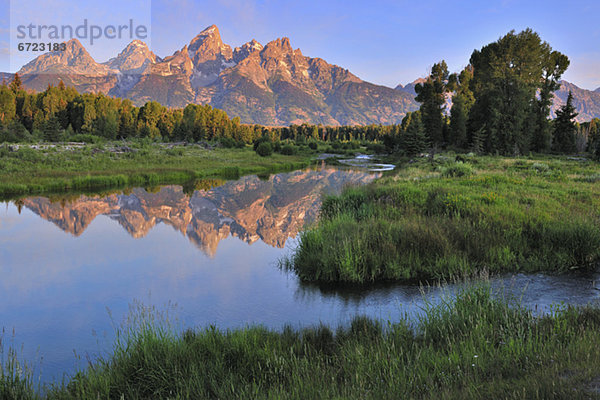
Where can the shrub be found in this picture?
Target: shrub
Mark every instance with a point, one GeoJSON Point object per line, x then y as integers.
{"type": "Point", "coordinates": [456, 169]}
{"type": "Point", "coordinates": [264, 149]}
{"type": "Point", "coordinates": [540, 167]}
{"type": "Point", "coordinates": [14, 132]}
{"type": "Point", "coordinates": [86, 138]}
{"type": "Point", "coordinates": [262, 139]}
{"type": "Point", "coordinates": [313, 145]}
{"type": "Point", "coordinates": [174, 152]}
{"type": "Point", "coordinates": [592, 178]}
{"type": "Point", "coordinates": [228, 142]}
{"type": "Point", "coordinates": [376, 147]}
{"type": "Point", "coordinates": [288, 150]}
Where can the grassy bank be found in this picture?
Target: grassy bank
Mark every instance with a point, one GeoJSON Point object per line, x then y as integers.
{"type": "Point", "coordinates": [28, 171]}
{"type": "Point", "coordinates": [447, 219]}
{"type": "Point", "coordinates": [474, 346]}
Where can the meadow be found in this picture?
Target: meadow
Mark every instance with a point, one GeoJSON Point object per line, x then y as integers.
{"type": "Point", "coordinates": [61, 168]}
{"type": "Point", "coordinates": [446, 219]}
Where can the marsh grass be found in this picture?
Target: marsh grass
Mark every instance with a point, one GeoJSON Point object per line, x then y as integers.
{"type": "Point", "coordinates": [29, 172]}
{"type": "Point", "coordinates": [510, 215]}
{"type": "Point", "coordinates": [473, 344]}
{"type": "Point", "coordinates": [16, 376]}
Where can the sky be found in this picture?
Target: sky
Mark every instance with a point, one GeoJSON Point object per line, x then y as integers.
{"type": "Point", "coordinates": [383, 42]}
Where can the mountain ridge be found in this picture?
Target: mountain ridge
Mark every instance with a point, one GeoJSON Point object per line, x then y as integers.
{"type": "Point", "coordinates": [272, 84]}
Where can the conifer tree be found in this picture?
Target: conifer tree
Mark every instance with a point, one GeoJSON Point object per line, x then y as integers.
{"type": "Point", "coordinates": [563, 140]}
{"type": "Point", "coordinates": [431, 95]}
{"type": "Point", "coordinates": [414, 140]}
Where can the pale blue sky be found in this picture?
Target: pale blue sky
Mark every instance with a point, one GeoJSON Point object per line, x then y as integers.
{"type": "Point", "coordinates": [384, 42]}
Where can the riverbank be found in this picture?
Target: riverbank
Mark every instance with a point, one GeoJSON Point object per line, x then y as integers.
{"type": "Point", "coordinates": [58, 168]}
{"type": "Point", "coordinates": [475, 345]}
{"type": "Point", "coordinates": [435, 221]}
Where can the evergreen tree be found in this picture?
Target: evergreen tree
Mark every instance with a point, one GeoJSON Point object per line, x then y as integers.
{"type": "Point", "coordinates": [8, 105]}
{"type": "Point", "coordinates": [594, 136]}
{"type": "Point", "coordinates": [462, 101]}
{"type": "Point", "coordinates": [414, 140]}
{"type": "Point", "coordinates": [51, 130]}
{"type": "Point", "coordinates": [478, 141]}
{"type": "Point", "coordinates": [431, 95]}
{"type": "Point", "coordinates": [458, 122]}
{"type": "Point", "coordinates": [565, 128]}
{"type": "Point", "coordinates": [16, 85]}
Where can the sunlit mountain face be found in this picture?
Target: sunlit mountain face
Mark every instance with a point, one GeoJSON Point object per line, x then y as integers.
{"type": "Point", "coordinates": [273, 84]}
{"type": "Point", "coordinates": [250, 209]}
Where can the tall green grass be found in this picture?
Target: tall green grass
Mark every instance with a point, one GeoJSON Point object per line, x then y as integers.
{"type": "Point", "coordinates": [454, 224]}
{"type": "Point", "coordinates": [29, 172]}
{"type": "Point", "coordinates": [474, 345]}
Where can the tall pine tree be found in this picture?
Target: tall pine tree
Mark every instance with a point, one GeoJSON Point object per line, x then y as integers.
{"type": "Point", "coordinates": [431, 95]}
{"type": "Point", "coordinates": [564, 128]}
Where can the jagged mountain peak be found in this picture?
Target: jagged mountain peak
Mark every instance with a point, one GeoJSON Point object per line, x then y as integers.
{"type": "Point", "coordinates": [135, 58]}
{"type": "Point", "coordinates": [208, 45]}
{"type": "Point", "coordinates": [210, 31]}
{"type": "Point", "coordinates": [280, 45]}
{"type": "Point", "coordinates": [209, 34]}
{"type": "Point", "coordinates": [254, 45]}
{"type": "Point", "coordinates": [271, 84]}
{"type": "Point", "coordinates": [73, 60]}
{"type": "Point", "coordinates": [242, 52]}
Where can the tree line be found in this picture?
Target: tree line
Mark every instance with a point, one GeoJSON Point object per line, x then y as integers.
{"type": "Point", "coordinates": [500, 104]}
{"type": "Point", "coordinates": [61, 113]}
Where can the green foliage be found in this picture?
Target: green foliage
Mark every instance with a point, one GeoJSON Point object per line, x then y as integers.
{"type": "Point", "coordinates": [287, 150]}
{"type": "Point", "coordinates": [264, 149]}
{"type": "Point", "coordinates": [64, 167]}
{"type": "Point", "coordinates": [428, 227]}
{"type": "Point", "coordinates": [431, 96]}
{"type": "Point", "coordinates": [14, 132]}
{"type": "Point", "coordinates": [413, 141]}
{"type": "Point", "coordinates": [564, 128]}
{"type": "Point", "coordinates": [52, 131]}
{"type": "Point", "coordinates": [8, 104]}
{"type": "Point", "coordinates": [457, 169]}
{"type": "Point", "coordinates": [507, 74]}
{"type": "Point", "coordinates": [228, 142]}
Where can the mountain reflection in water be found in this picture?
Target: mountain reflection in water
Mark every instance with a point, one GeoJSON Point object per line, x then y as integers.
{"type": "Point", "coordinates": [250, 209]}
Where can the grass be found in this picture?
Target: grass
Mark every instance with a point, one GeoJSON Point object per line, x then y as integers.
{"type": "Point", "coordinates": [446, 219]}
{"type": "Point", "coordinates": [28, 171]}
{"type": "Point", "coordinates": [474, 345]}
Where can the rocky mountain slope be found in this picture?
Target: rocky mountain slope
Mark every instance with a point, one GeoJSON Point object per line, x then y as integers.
{"type": "Point", "coordinates": [586, 102]}
{"type": "Point", "coordinates": [272, 84]}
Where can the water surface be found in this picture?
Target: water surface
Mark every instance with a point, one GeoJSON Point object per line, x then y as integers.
{"type": "Point", "coordinates": [72, 266]}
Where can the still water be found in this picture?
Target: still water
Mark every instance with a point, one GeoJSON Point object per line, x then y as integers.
{"type": "Point", "coordinates": [72, 267]}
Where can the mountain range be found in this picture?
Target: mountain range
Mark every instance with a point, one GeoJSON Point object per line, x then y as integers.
{"type": "Point", "coordinates": [272, 84]}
